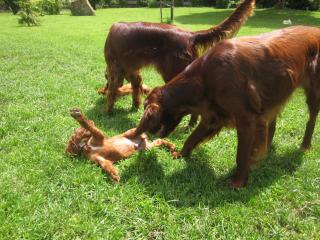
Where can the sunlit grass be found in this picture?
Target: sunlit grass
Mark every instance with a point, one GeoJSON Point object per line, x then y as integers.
{"type": "Point", "coordinates": [46, 70]}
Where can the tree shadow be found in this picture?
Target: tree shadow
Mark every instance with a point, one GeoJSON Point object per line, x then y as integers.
{"type": "Point", "coordinates": [197, 183]}
{"type": "Point", "coordinates": [263, 18]}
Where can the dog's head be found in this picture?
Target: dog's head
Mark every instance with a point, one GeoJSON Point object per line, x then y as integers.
{"type": "Point", "coordinates": [77, 141]}
{"type": "Point", "coordinates": [160, 117]}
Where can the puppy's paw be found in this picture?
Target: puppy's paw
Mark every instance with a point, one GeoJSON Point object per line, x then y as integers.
{"type": "Point", "coordinates": [176, 155]}
{"type": "Point", "coordinates": [115, 178]}
{"type": "Point", "coordinates": [102, 91]}
{"type": "Point", "coordinates": [76, 113]}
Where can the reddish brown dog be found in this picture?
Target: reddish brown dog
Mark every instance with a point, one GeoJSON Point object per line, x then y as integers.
{"type": "Point", "coordinates": [241, 83]}
{"type": "Point", "coordinates": [131, 46]}
{"type": "Point", "coordinates": [90, 141]}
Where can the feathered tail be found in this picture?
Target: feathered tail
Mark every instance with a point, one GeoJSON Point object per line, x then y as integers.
{"type": "Point", "coordinates": [226, 29]}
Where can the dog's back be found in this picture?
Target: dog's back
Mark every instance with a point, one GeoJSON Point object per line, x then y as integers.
{"type": "Point", "coordinates": [276, 62]}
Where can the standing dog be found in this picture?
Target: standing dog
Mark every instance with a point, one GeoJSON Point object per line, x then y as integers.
{"type": "Point", "coordinates": [131, 46]}
{"type": "Point", "coordinates": [242, 83]}
{"type": "Point", "coordinates": [90, 141]}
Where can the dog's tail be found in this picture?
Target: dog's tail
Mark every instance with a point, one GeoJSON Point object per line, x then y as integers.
{"type": "Point", "coordinates": [228, 28]}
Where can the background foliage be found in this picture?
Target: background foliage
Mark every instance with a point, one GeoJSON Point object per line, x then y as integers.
{"type": "Point", "coordinates": [54, 6]}
{"type": "Point", "coordinates": [28, 13]}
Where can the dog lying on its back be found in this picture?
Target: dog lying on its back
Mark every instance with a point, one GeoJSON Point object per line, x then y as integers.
{"type": "Point", "coordinates": [104, 151]}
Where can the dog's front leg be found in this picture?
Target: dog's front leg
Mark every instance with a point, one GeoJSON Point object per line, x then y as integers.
{"type": "Point", "coordinates": [245, 131]}
{"type": "Point", "coordinates": [89, 125]}
{"type": "Point", "coordinates": [200, 134]}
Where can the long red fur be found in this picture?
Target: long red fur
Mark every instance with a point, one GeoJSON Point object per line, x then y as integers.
{"type": "Point", "coordinates": [242, 83]}
{"type": "Point", "coordinates": [132, 46]}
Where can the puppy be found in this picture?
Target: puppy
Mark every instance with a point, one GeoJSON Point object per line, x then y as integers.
{"type": "Point", "coordinates": [242, 83]}
{"type": "Point", "coordinates": [104, 151]}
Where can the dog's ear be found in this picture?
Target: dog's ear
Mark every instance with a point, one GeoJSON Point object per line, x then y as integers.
{"type": "Point", "coordinates": [152, 115]}
{"type": "Point", "coordinates": [152, 110]}
{"type": "Point", "coordinates": [151, 119]}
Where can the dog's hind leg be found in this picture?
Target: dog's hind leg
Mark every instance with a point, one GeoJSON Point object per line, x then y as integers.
{"type": "Point", "coordinates": [106, 165]}
{"type": "Point", "coordinates": [103, 90]}
{"type": "Point", "coordinates": [97, 134]}
{"type": "Point", "coordinates": [161, 142]}
{"type": "Point", "coordinates": [313, 101]}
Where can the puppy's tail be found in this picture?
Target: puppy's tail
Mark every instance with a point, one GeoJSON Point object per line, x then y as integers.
{"type": "Point", "coordinates": [202, 40]}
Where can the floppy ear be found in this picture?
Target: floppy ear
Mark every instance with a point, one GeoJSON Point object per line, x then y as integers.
{"type": "Point", "coordinates": [150, 120]}
{"type": "Point", "coordinates": [152, 110]}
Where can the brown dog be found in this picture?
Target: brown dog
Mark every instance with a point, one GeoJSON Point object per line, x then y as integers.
{"type": "Point", "coordinates": [241, 83]}
{"type": "Point", "coordinates": [131, 46]}
{"type": "Point", "coordinates": [90, 141]}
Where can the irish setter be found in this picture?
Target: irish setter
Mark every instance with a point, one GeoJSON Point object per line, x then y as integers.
{"type": "Point", "coordinates": [131, 46]}
{"type": "Point", "coordinates": [104, 151]}
{"type": "Point", "coordinates": [242, 83]}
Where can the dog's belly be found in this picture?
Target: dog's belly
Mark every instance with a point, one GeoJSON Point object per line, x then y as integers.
{"type": "Point", "coordinates": [119, 146]}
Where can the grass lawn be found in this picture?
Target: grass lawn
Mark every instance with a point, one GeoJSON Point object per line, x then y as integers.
{"type": "Point", "coordinates": [46, 70]}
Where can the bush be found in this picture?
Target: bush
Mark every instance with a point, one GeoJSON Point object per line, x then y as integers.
{"type": "Point", "coordinates": [94, 3]}
{"type": "Point", "coordinates": [153, 4]}
{"type": "Point", "coordinates": [51, 7]}
{"type": "Point", "coordinates": [299, 4]}
{"type": "Point", "coordinates": [28, 14]}
{"type": "Point", "coordinates": [315, 5]}
{"type": "Point", "coordinates": [142, 3]}
{"type": "Point", "coordinates": [13, 5]}
{"type": "Point", "coordinates": [222, 3]}
{"type": "Point", "coordinates": [3, 5]}
{"type": "Point", "coordinates": [65, 3]}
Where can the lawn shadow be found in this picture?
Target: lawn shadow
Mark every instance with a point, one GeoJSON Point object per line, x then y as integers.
{"type": "Point", "coordinates": [197, 183]}
{"type": "Point", "coordinates": [261, 19]}
{"type": "Point", "coordinates": [119, 121]}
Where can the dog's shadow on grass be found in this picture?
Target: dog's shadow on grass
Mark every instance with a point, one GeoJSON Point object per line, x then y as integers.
{"type": "Point", "coordinates": [197, 183]}
{"type": "Point", "coordinates": [119, 121]}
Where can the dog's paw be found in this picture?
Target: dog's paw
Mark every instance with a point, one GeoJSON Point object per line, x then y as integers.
{"type": "Point", "coordinates": [76, 113]}
{"type": "Point", "coordinates": [115, 178]}
{"type": "Point", "coordinates": [305, 148]}
{"type": "Point", "coordinates": [237, 183]}
{"type": "Point", "coordinates": [176, 155]}
{"type": "Point", "coordinates": [102, 91]}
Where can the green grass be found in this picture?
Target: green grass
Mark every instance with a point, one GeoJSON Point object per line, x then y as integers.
{"type": "Point", "coordinates": [46, 70]}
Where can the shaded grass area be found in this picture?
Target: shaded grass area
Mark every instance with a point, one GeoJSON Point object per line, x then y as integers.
{"type": "Point", "coordinates": [44, 71]}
